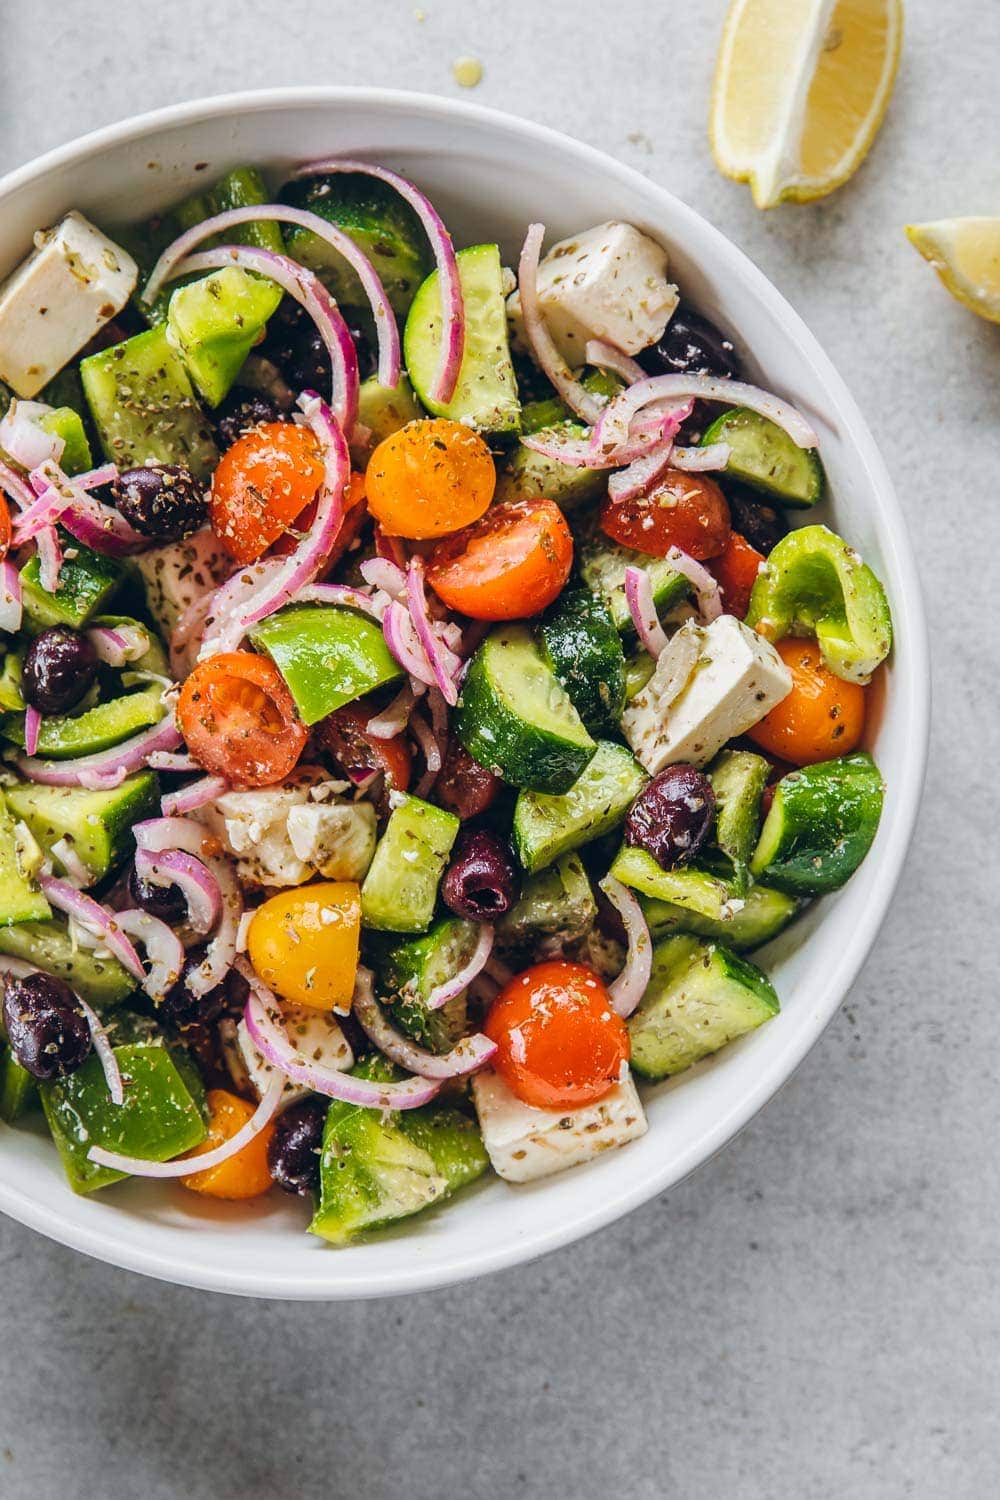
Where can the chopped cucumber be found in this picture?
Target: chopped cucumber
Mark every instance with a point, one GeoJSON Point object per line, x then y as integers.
{"type": "Point", "coordinates": [64, 737]}
{"type": "Point", "coordinates": [738, 779]}
{"type": "Point", "coordinates": [486, 393]}
{"type": "Point", "coordinates": [514, 717]}
{"type": "Point", "coordinates": [17, 1088]}
{"type": "Point", "coordinates": [102, 982]}
{"type": "Point", "coordinates": [216, 321]}
{"type": "Point", "coordinates": [86, 582]}
{"type": "Point", "coordinates": [20, 898]}
{"type": "Point", "coordinates": [546, 826]}
{"type": "Point", "coordinates": [753, 920]}
{"type": "Point", "coordinates": [699, 998]}
{"type": "Point", "coordinates": [66, 423]}
{"type": "Point", "coordinates": [451, 1139]}
{"type": "Point", "coordinates": [11, 697]}
{"type": "Point", "coordinates": [529, 475]}
{"type": "Point", "coordinates": [400, 890]}
{"type": "Point", "coordinates": [557, 902]}
{"type": "Point", "coordinates": [98, 825]}
{"type": "Point", "coordinates": [602, 563]}
{"type": "Point", "coordinates": [697, 890]}
{"type": "Point", "coordinates": [582, 646]}
{"type": "Point", "coordinates": [639, 668]}
{"type": "Point", "coordinates": [408, 969]}
{"type": "Point", "coordinates": [327, 655]}
{"type": "Point", "coordinates": [762, 455]}
{"type": "Point", "coordinates": [820, 826]}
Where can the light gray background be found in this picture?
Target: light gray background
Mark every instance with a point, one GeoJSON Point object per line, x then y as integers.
{"type": "Point", "coordinates": [815, 1314]}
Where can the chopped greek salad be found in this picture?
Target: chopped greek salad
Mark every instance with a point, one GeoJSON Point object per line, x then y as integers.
{"type": "Point", "coordinates": [416, 701]}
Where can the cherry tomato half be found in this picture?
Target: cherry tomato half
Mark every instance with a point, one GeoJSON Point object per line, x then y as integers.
{"type": "Point", "coordinates": [429, 478]}
{"type": "Point", "coordinates": [821, 717]}
{"type": "Point", "coordinates": [262, 483]}
{"type": "Point", "coordinates": [345, 734]}
{"type": "Point", "coordinates": [735, 571]}
{"type": "Point", "coordinates": [5, 530]}
{"type": "Point", "coordinates": [245, 1175]}
{"type": "Point", "coordinates": [688, 511]}
{"type": "Point", "coordinates": [509, 565]}
{"type": "Point", "coordinates": [239, 719]}
{"type": "Point", "coordinates": [560, 1042]}
{"type": "Point", "coordinates": [354, 518]}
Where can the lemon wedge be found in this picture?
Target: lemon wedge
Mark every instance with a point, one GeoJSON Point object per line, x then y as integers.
{"type": "Point", "coordinates": [966, 255]}
{"type": "Point", "coordinates": [800, 92]}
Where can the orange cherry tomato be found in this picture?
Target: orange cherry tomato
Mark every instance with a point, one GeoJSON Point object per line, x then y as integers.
{"type": "Point", "coordinates": [735, 571]}
{"type": "Point", "coordinates": [560, 1043]}
{"type": "Point", "coordinates": [244, 1175]}
{"type": "Point", "coordinates": [354, 518]}
{"type": "Point", "coordinates": [429, 478]}
{"type": "Point", "coordinates": [345, 734]}
{"type": "Point", "coordinates": [261, 484]}
{"type": "Point", "coordinates": [509, 565]}
{"type": "Point", "coordinates": [688, 511]}
{"type": "Point", "coordinates": [821, 717]}
{"type": "Point", "coordinates": [5, 530]}
{"type": "Point", "coordinates": [240, 720]}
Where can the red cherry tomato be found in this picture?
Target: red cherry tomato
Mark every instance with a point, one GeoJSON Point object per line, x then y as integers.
{"type": "Point", "coordinates": [560, 1042]}
{"type": "Point", "coordinates": [735, 571]}
{"type": "Point", "coordinates": [239, 719]}
{"type": "Point", "coordinates": [508, 566]}
{"type": "Point", "coordinates": [5, 530]}
{"type": "Point", "coordinates": [262, 483]}
{"type": "Point", "coordinates": [354, 518]}
{"type": "Point", "coordinates": [345, 734]}
{"type": "Point", "coordinates": [688, 511]}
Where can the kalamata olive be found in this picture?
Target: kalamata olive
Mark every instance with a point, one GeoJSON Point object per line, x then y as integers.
{"type": "Point", "coordinates": [46, 1029]}
{"type": "Point", "coordinates": [463, 786]}
{"type": "Point", "coordinates": [241, 410]}
{"type": "Point", "coordinates": [753, 517]}
{"type": "Point", "coordinates": [671, 816]}
{"type": "Point", "coordinates": [691, 345]}
{"type": "Point", "coordinates": [163, 901]}
{"type": "Point", "coordinates": [481, 882]}
{"type": "Point", "coordinates": [294, 344]}
{"type": "Point", "coordinates": [59, 667]}
{"type": "Point", "coordinates": [162, 501]}
{"type": "Point", "coordinates": [294, 1147]}
{"type": "Point", "coordinates": [180, 1008]}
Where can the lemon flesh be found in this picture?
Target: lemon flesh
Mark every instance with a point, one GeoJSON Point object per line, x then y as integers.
{"type": "Point", "coordinates": [966, 255]}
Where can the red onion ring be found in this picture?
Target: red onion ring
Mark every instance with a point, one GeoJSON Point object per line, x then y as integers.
{"type": "Point", "coordinates": [195, 881]}
{"type": "Point", "coordinates": [641, 606]}
{"type": "Point", "coordinates": [50, 559]}
{"type": "Point", "coordinates": [11, 604]}
{"type": "Point", "coordinates": [105, 1053]}
{"type": "Point", "coordinates": [383, 574]}
{"type": "Point", "coordinates": [32, 728]}
{"type": "Point", "coordinates": [547, 356]}
{"type": "Point", "coordinates": [104, 769]}
{"type": "Point", "coordinates": [340, 594]}
{"type": "Point", "coordinates": [66, 898]}
{"type": "Point", "coordinates": [621, 410]}
{"type": "Point", "coordinates": [158, 835]}
{"type": "Point", "coordinates": [15, 487]}
{"type": "Point", "coordinates": [195, 795]}
{"type": "Point", "coordinates": [77, 873]}
{"type": "Point", "coordinates": [117, 645]}
{"type": "Point", "coordinates": [645, 433]}
{"type": "Point", "coordinates": [597, 352]}
{"type": "Point", "coordinates": [641, 473]}
{"type": "Point", "coordinates": [164, 950]}
{"type": "Point", "coordinates": [23, 439]}
{"type": "Point", "coordinates": [628, 989]}
{"type": "Point", "coordinates": [470, 1054]}
{"type": "Point", "coordinates": [700, 460]}
{"type": "Point", "coordinates": [392, 721]}
{"type": "Point", "coordinates": [434, 650]}
{"type": "Point", "coordinates": [17, 968]}
{"type": "Point", "coordinates": [442, 993]}
{"type": "Point", "coordinates": [66, 500]}
{"type": "Point", "coordinates": [705, 586]}
{"type": "Point", "coordinates": [431, 750]}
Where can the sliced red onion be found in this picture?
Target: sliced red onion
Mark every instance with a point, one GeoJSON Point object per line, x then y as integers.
{"type": "Point", "coordinates": [470, 1054]}
{"type": "Point", "coordinates": [50, 559]}
{"type": "Point", "coordinates": [77, 873]}
{"type": "Point", "coordinates": [15, 487]}
{"type": "Point", "coordinates": [645, 434]}
{"type": "Point", "coordinates": [597, 352]}
{"type": "Point", "coordinates": [11, 608]}
{"type": "Point", "coordinates": [620, 412]}
{"type": "Point", "coordinates": [452, 302]}
{"type": "Point", "coordinates": [158, 835]}
{"type": "Point", "coordinates": [105, 768]}
{"type": "Point", "coordinates": [638, 477]}
{"type": "Point", "coordinates": [443, 666]}
{"type": "Point", "coordinates": [442, 993]}
{"type": "Point", "coordinates": [391, 548]}
{"type": "Point", "coordinates": [404, 643]}
{"type": "Point", "coordinates": [165, 760]}
{"type": "Point", "coordinates": [164, 950]}
{"type": "Point", "coordinates": [190, 1166]}
{"type": "Point", "coordinates": [676, 663]}
{"type": "Point", "coordinates": [66, 898]}
{"type": "Point", "coordinates": [105, 1053]}
{"type": "Point", "coordinates": [24, 440]}
{"type": "Point", "coordinates": [701, 460]}
{"type": "Point", "coordinates": [705, 586]}
{"type": "Point", "coordinates": [32, 728]}
{"type": "Point", "coordinates": [382, 573]}
{"type": "Point", "coordinates": [192, 877]}
{"type": "Point", "coordinates": [628, 989]}
{"type": "Point", "coordinates": [66, 500]}
{"type": "Point", "coordinates": [392, 721]}
{"type": "Point", "coordinates": [17, 968]}
{"type": "Point", "coordinates": [195, 795]}
{"type": "Point", "coordinates": [118, 644]}
{"type": "Point", "coordinates": [547, 356]}
{"type": "Point", "coordinates": [341, 594]}
{"type": "Point", "coordinates": [431, 750]}
{"type": "Point", "coordinates": [389, 357]}
{"type": "Point", "coordinates": [642, 608]}
{"type": "Point", "coordinates": [267, 1032]}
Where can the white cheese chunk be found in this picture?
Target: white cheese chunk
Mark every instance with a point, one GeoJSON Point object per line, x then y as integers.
{"type": "Point", "coordinates": [737, 678]}
{"type": "Point", "coordinates": [336, 838]}
{"type": "Point", "coordinates": [525, 1143]}
{"type": "Point", "coordinates": [274, 846]}
{"type": "Point", "coordinates": [74, 282]}
{"type": "Point", "coordinates": [608, 283]}
{"type": "Point", "coordinates": [179, 574]}
{"type": "Point", "coordinates": [318, 1039]}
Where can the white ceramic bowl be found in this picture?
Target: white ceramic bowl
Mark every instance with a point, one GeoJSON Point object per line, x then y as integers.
{"type": "Point", "coordinates": [489, 175]}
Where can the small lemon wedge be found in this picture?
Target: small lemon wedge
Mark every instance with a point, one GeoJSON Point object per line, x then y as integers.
{"type": "Point", "coordinates": [966, 255]}
{"type": "Point", "coordinates": [800, 92]}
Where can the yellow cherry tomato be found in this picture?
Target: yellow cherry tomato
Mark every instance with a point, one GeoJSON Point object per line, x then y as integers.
{"type": "Point", "coordinates": [244, 1175]}
{"type": "Point", "coordinates": [304, 943]}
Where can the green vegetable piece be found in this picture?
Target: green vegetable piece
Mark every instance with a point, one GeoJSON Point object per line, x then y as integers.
{"type": "Point", "coordinates": [20, 898]}
{"type": "Point", "coordinates": [697, 890]}
{"type": "Point", "coordinates": [738, 780]}
{"type": "Point", "coordinates": [762, 914]}
{"type": "Point", "coordinates": [216, 321]}
{"type": "Point", "coordinates": [581, 644]}
{"type": "Point", "coordinates": [86, 582]}
{"type": "Point", "coordinates": [408, 969]}
{"type": "Point", "coordinates": [601, 564]}
{"type": "Point", "coordinates": [158, 1120]}
{"type": "Point", "coordinates": [66, 423]}
{"type": "Point", "coordinates": [815, 584]}
{"type": "Point", "coordinates": [762, 455]}
{"type": "Point", "coordinates": [820, 826]}
{"type": "Point", "coordinates": [527, 475]}
{"type": "Point", "coordinates": [102, 982]}
{"type": "Point", "coordinates": [556, 902]}
{"type": "Point", "coordinates": [451, 1140]}
{"type": "Point", "coordinates": [63, 736]}
{"type": "Point", "coordinates": [327, 655]}
{"type": "Point", "coordinates": [384, 409]}
{"type": "Point", "coordinates": [400, 890]}
{"type": "Point", "coordinates": [546, 826]}
{"type": "Point", "coordinates": [98, 825]}
{"type": "Point", "coordinates": [17, 1089]}
{"type": "Point", "coordinates": [11, 697]}
{"type": "Point", "coordinates": [699, 998]}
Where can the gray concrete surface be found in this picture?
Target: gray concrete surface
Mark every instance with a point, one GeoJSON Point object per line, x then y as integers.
{"type": "Point", "coordinates": [815, 1314]}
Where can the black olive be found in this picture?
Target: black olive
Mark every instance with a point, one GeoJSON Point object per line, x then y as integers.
{"type": "Point", "coordinates": [753, 517]}
{"type": "Point", "coordinates": [181, 1008]}
{"type": "Point", "coordinates": [164, 901]}
{"type": "Point", "coordinates": [161, 501]}
{"type": "Point", "coordinates": [59, 667]}
{"type": "Point", "coordinates": [293, 343]}
{"type": "Point", "coordinates": [46, 1029]}
{"type": "Point", "coordinates": [672, 815]}
{"type": "Point", "coordinates": [242, 410]}
{"type": "Point", "coordinates": [481, 882]}
{"type": "Point", "coordinates": [464, 786]}
{"type": "Point", "coordinates": [691, 345]}
{"type": "Point", "coordinates": [294, 1147]}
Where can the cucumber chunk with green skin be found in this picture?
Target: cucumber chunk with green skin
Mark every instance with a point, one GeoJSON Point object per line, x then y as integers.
{"type": "Point", "coordinates": [738, 780]}
{"type": "Point", "coordinates": [408, 969]}
{"type": "Point", "coordinates": [64, 737]}
{"type": "Point", "coordinates": [216, 321]}
{"type": "Point", "coordinates": [582, 646]}
{"type": "Point", "coordinates": [102, 982]}
{"type": "Point", "coordinates": [762, 455]}
{"type": "Point", "coordinates": [547, 826]}
{"type": "Point", "coordinates": [764, 913]}
{"type": "Point", "coordinates": [17, 1089]}
{"type": "Point", "coordinates": [451, 1140]}
{"type": "Point", "coordinates": [98, 825]}
{"type": "Point", "coordinates": [384, 409]}
{"type": "Point", "coordinates": [327, 655]}
{"type": "Point", "coordinates": [816, 584]}
{"type": "Point", "coordinates": [486, 395]}
{"type": "Point", "coordinates": [699, 998]}
{"type": "Point", "coordinates": [144, 408]}
{"type": "Point", "coordinates": [158, 1120]}
{"type": "Point", "coordinates": [699, 891]}
{"type": "Point", "coordinates": [20, 898]}
{"type": "Point", "coordinates": [639, 668]}
{"type": "Point", "coordinates": [527, 475]}
{"type": "Point", "coordinates": [380, 223]}
{"type": "Point", "coordinates": [601, 564]}
{"type": "Point", "coordinates": [87, 581]}
{"type": "Point", "coordinates": [820, 826]}
{"type": "Point", "coordinates": [399, 892]}
{"type": "Point", "coordinates": [11, 696]}
{"type": "Point", "coordinates": [65, 423]}
{"type": "Point", "coordinates": [514, 717]}
{"type": "Point", "coordinates": [557, 902]}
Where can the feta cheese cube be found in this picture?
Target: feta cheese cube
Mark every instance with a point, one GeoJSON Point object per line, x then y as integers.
{"type": "Point", "coordinates": [525, 1143]}
{"type": "Point", "coordinates": [608, 283]}
{"type": "Point", "coordinates": [337, 839]}
{"type": "Point", "coordinates": [74, 282]}
{"type": "Point", "coordinates": [315, 1034]}
{"type": "Point", "coordinates": [179, 574]}
{"type": "Point", "coordinates": [272, 846]}
{"type": "Point", "coordinates": [737, 678]}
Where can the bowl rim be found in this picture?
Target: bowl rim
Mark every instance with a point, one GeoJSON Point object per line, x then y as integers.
{"type": "Point", "coordinates": [910, 621]}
